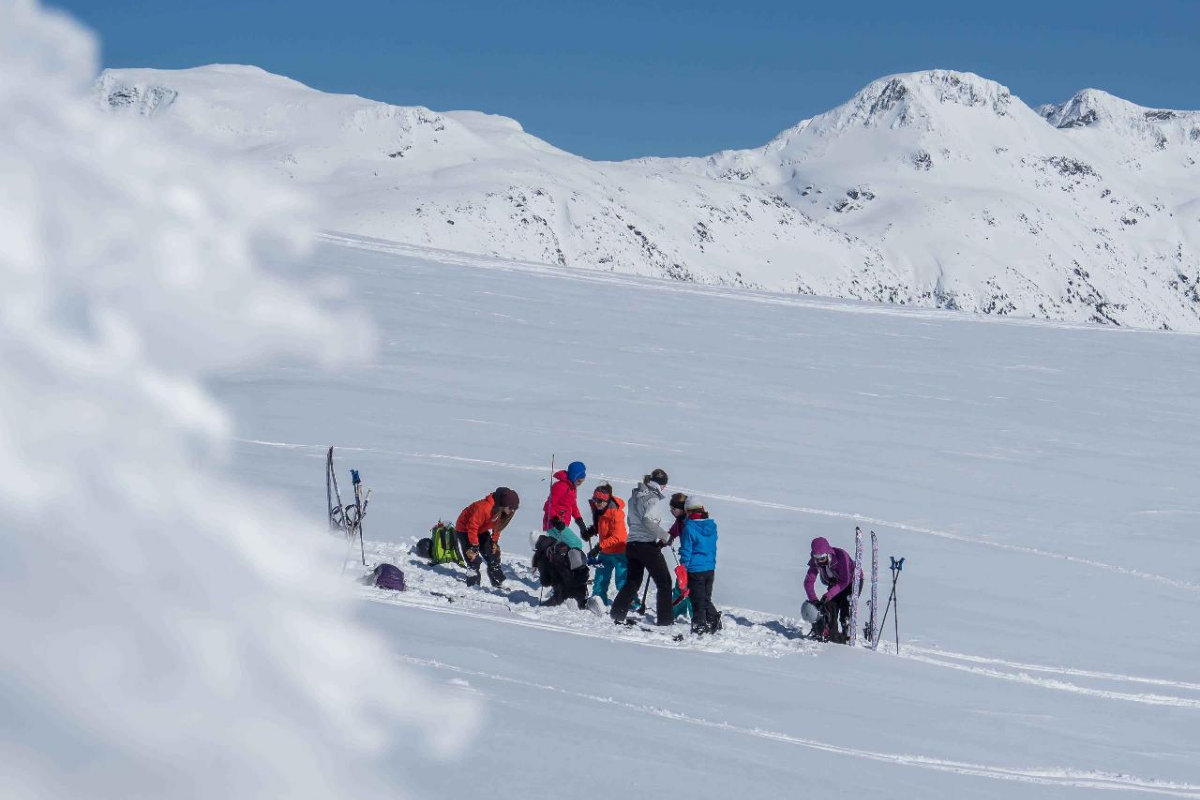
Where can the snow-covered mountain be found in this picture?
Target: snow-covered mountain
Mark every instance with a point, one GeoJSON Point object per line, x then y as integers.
{"type": "Point", "coordinates": [935, 188]}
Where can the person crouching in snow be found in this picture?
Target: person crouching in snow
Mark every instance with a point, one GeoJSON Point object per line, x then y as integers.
{"type": "Point", "coordinates": [562, 505]}
{"type": "Point", "coordinates": [698, 555]}
{"type": "Point", "coordinates": [478, 529]}
{"type": "Point", "coordinates": [561, 564]}
{"type": "Point", "coordinates": [608, 515]}
{"type": "Point", "coordinates": [836, 570]}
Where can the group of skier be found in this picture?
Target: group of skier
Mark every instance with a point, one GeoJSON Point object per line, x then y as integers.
{"type": "Point", "coordinates": [631, 539]}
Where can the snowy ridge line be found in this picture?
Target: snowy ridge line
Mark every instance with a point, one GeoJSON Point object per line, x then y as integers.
{"type": "Point", "coordinates": [817, 512]}
{"type": "Point", "coordinates": [849, 306]}
{"type": "Point", "coordinates": [1082, 673]}
{"type": "Point", "coordinates": [1052, 776]}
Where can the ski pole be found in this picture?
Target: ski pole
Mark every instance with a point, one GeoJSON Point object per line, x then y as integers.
{"type": "Point", "coordinates": [361, 514]}
{"type": "Point", "coordinates": [893, 600]}
{"type": "Point", "coordinates": [886, 609]}
{"type": "Point", "coordinates": [896, 616]}
{"type": "Point", "coordinates": [358, 507]}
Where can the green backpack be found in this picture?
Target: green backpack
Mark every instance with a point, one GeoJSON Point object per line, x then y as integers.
{"type": "Point", "coordinates": [441, 547]}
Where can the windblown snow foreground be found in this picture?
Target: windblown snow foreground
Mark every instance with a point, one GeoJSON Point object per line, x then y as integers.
{"type": "Point", "coordinates": [1036, 477]}
{"type": "Point", "coordinates": [935, 188]}
{"type": "Point", "coordinates": [164, 632]}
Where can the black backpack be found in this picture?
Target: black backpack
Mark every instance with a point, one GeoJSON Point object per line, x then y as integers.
{"type": "Point", "coordinates": [556, 565]}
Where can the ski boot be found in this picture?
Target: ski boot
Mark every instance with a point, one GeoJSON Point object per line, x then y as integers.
{"type": "Point", "coordinates": [496, 576]}
{"type": "Point", "coordinates": [473, 579]}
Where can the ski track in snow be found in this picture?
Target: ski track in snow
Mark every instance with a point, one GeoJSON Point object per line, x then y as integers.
{"type": "Point", "coordinates": [1064, 686]}
{"type": "Point", "coordinates": [1082, 673]}
{"type": "Point", "coordinates": [1048, 776]}
{"type": "Point", "coordinates": [819, 512]}
{"type": "Point", "coordinates": [747, 634]}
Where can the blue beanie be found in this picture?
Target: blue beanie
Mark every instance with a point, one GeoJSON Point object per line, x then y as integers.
{"type": "Point", "coordinates": [576, 470]}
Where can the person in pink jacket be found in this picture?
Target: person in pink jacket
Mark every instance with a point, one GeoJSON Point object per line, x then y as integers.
{"type": "Point", "coordinates": [835, 568]}
{"type": "Point", "coordinates": [563, 506]}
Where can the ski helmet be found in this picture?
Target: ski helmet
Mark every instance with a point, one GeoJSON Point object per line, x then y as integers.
{"type": "Point", "coordinates": [693, 503]}
{"type": "Point", "coordinates": [810, 612]}
{"type": "Point", "coordinates": [424, 547]}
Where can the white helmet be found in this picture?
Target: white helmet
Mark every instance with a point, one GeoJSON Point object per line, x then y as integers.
{"type": "Point", "coordinates": [693, 503]}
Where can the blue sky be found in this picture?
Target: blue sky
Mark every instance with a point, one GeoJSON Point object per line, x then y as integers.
{"type": "Point", "coordinates": [618, 79]}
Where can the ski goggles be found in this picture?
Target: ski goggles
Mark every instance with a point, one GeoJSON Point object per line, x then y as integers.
{"type": "Point", "coordinates": [601, 497]}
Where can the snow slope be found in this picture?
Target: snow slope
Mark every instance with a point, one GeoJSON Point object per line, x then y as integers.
{"type": "Point", "coordinates": [936, 188]}
{"type": "Point", "coordinates": [1035, 475]}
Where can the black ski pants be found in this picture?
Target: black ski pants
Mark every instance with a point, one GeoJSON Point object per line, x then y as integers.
{"type": "Point", "coordinates": [839, 613]}
{"type": "Point", "coordinates": [486, 552]}
{"type": "Point", "coordinates": [645, 557]}
{"type": "Point", "coordinates": [562, 592]}
{"type": "Point", "coordinates": [700, 588]}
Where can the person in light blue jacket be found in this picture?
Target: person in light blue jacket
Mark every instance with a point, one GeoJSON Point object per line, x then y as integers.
{"type": "Point", "coordinates": [698, 555]}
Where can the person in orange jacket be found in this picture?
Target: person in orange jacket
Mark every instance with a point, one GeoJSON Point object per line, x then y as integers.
{"type": "Point", "coordinates": [608, 515]}
{"type": "Point", "coordinates": [478, 528]}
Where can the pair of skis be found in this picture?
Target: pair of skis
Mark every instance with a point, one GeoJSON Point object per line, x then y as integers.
{"type": "Point", "coordinates": [870, 630]}
{"type": "Point", "coordinates": [346, 519]}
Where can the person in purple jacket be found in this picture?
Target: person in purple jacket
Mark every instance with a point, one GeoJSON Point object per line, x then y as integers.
{"type": "Point", "coordinates": [836, 568]}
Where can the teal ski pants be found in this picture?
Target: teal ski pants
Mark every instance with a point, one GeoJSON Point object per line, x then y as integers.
{"type": "Point", "coordinates": [611, 565]}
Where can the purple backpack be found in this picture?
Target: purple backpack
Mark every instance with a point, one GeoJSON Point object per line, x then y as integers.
{"type": "Point", "coordinates": [386, 576]}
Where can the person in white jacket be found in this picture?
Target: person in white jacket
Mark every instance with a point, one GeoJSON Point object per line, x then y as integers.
{"type": "Point", "coordinates": [643, 549]}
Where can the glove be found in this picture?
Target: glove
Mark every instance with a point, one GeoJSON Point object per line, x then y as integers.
{"type": "Point", "coordinates": [471, 554]}
{"type": "Point", "coordinates": [589, 532]}
{"type": "Point", "coordinates": [582, 528]}
{"type": "Point", "coordinates": [557, 524]}
{"type": "Point", "coordinates": [660, 544]}
{"type": "Point", "coordinates": [594, 553]}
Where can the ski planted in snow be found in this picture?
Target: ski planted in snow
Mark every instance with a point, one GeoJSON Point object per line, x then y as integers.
{"type": "Point", "coordinates": [872, 629]}
{"type": "Point", "coordinates": [336, 516]}
{"type": "Point", "coordinates": [346, 519]}
{"type": "Point", "coordinates": [855, 585]}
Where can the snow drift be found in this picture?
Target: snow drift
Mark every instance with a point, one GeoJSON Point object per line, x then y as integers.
{"type": "Point", "coordinates": [166, 632]}
{"type": "Point", "coordinates": [935, 188]}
